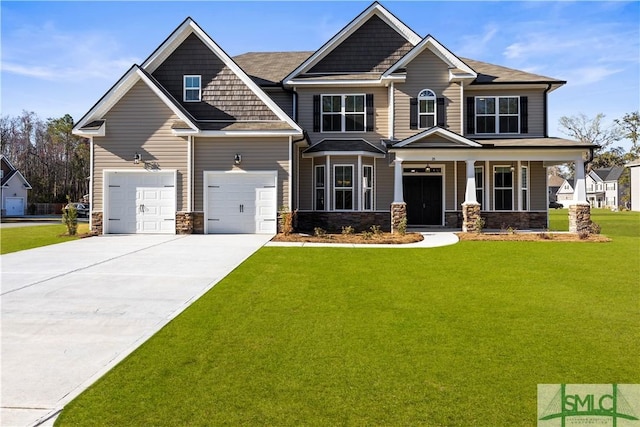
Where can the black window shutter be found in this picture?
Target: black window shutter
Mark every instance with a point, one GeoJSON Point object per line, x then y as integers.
{"type": "Point", "coordinates": [440, 112]}
{"type": "Point", "coordinates": [471, 115]}
{"type": "Point", "coordinates": [524, 114]}
{"type": "Point", "coordinates": [369, 109]}
{"type": "Point", "coordinates": [413, 113]}
{"type": "Point", "coordinates": [316, 113]}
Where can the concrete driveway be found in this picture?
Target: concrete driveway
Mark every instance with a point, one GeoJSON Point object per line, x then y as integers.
{"type": "Point", "coordinates": [71, 311]}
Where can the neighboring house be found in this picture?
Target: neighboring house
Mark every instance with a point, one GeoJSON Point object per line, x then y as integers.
{"type": "Point", "coordinates": [603, 187]}
{"type": "Point", "coordinates": [378, 125]}
{"type": "Point", "coordinates": [554, 183]}
{"type": "Point", "coordinates": [635, 184]}
{"type": "Point", "coordinates": [14, 189]}
{"type": "Point", "coordinates": [565, 193]}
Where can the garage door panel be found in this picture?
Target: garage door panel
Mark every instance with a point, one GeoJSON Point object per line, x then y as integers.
{"type": "Point", "coordinates": [141, 202]}
{"type": "Point", "coordinates": [241, 202]}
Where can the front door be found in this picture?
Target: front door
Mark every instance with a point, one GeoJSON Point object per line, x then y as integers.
{"type": "Point", "coordinates": [423, 195]}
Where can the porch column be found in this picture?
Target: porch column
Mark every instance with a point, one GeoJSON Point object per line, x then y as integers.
{"type": "Point", "coordinates": [470, 206]}
{"type": "Point", "coordinates": [580, 210]}
{"type": "Point", "coordinates": [398, 207]}
{"type": "Point", "coordinates": [398, 197]}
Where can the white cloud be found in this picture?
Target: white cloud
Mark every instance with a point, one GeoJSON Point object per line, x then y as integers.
{"type": "Point", "coordinates": [476, 45]}
{"type": "Point", "coordinates": [48, 53]}
{"type": "Point", "coordinates": [590, 75]}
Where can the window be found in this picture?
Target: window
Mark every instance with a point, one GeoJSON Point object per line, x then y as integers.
{"type": "Point", "coordinates": [343, 187]}
{"type": "Point", "coordinates": [343, 113]}
{"type": "Point", "coordinates": [192, 89]}
{"type": "Point", "coordinates": [498, 114]}
{"type": "Point", "coordinates": [367, 188]}
{"type": "Point", "coordinates": [503, 188]}
{"type": "Point", "coordinates": [524, 187]}
{"type": "Point", "coordinates": [319, 187]}
{"type": "Point", "coordinates": [426, 109]}
{"type": "Point", "coordinates": [479, 172]}
{"type": "Point", "coordinates": [611, 185]}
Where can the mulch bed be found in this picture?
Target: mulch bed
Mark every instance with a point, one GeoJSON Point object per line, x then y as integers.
{"type": "Point", "coordinates": [533, 237]}
{"type": "Point", "coordinates": [385, 238]}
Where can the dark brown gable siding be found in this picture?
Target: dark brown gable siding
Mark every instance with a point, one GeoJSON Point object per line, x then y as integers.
{"type": "Point", "coordinates": [374, 47]}
{"type": "Point", "coordinates": [224, 95]}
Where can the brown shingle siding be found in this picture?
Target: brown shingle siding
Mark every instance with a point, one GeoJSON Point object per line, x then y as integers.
{"type": "Point", "coordinates": [224, 95]}
{"type": "Point", "coordinates": [373, 47]}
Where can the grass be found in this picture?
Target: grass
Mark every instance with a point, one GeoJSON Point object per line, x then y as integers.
{"type": "Point", "coordinates": [455, 336]}
{"type": "Point", "coordinates": [21, 238]}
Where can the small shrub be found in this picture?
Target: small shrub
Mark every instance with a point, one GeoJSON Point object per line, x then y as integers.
{"type": "Point", "coordinates": [480, 223]}
{"type": "Point", "coordinates": [348, 230]}
{"type": "Point", "coordinates": [375, 229]}
{"type": "Point", "coordinates": [594, 228]}
{"type": "Point", "coordinates": [402, 226]}
{"type": "Point", "coordinates": [545, 235]}
{"type": "Point", "coordinates": [319, 232]}
{"type": "Point", "coordinates": [286, 221]}
{"type": "Point", "coordinates": [70, 218]}
{"type": "Point", "coordinates": [511, 230]}
{"type": "Point", "coordinates": [367, 235]}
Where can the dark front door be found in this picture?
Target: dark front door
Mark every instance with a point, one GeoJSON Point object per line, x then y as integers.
{"type": "Point", "coordinates": [423, 195]}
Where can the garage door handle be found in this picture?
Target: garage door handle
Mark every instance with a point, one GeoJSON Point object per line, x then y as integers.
{"type": "Point", "coordinates": [141, 208]}
{"type": "Point", "coordinates": [241, 208]}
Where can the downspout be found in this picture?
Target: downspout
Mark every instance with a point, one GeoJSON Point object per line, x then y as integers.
{"type": "Point", "coordinates": [546, 111]}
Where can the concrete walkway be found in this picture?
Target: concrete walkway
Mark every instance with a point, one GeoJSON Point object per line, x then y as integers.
{"type": "Point", "coordinates": [71, 311]}
{"type": "Point", "coordinates": [432, 239]}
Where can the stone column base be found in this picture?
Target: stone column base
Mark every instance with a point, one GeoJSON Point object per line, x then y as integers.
{"type": "Point", "coordinates": [470, 217]}
{"type": "Point", "coordinates": [96, 223]}
{"type": "Point", "coordinates": [398, 215]}
{"type": "Point", "coordinates": [580, 218]}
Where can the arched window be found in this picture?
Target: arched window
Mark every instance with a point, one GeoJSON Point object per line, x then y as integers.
{"type": "Point", "coordinates": [426, 109]}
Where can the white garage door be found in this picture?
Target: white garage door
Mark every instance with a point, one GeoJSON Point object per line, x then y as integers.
{"type": "Point", "coordinates": [243, 202]}
{"type": "Point", "coordinates": [142, 202]}
{"type": "Point", "coordinates": [14, 206]}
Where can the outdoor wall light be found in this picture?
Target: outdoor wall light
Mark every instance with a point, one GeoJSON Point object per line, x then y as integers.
{"type": "Point", "coordinates": [428, 168]}
{"type": "Point", "coordinates": [237, 159]}
{"type": "Point", "coordinates": [137, 158]}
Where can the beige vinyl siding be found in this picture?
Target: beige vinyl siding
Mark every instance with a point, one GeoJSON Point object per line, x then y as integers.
{"type": "Point", "coordinates": [535, 109]}
{"type": "Point", "coordinates": [381, 113]}
{"type": "Point", "coordinates": [449, 186]}
{"type": "Point", "coordinates": [140, 122]}
{"type": "Point", "coordinates": [384, 185]}
{"type": "Point", "coordinates": [426, 71]}
{"type": "Point", "coordinates": [306, 181]}
{"type": "Point", "coordinates": [258, 154]}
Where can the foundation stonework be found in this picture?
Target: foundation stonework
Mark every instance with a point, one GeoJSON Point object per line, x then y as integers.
{"type": "Point", "coordinates": [398, 215]}
{"type": "Point", "coordinates": [334, 221]}
{"type": "Point", "coordinates": [189, 222]}
{"type": "Point", "coordinates": [96, 222]}
{"type": "Point", "coordinates": [580, 218]}
{"type": "Point", "coordinates": [470, 216]}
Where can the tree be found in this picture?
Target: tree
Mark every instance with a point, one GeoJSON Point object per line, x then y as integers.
{"type": "Point", "coordinates": [629, 125]}
{"type": "Point", "coordinates": [592, 130]}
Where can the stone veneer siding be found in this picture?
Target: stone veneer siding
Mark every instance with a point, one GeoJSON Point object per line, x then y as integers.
{"type": "Point", "coordinates": [190, 223]}
{"type": "Point", "coordinates": [96, 222]}
{"type": "Point", "coordinates": [398, 214]}
{"type": "Point", "coordinates": [334, 221]}
{"type": "Point", "coordinates": [580, 218]}
{"type": "Point", "coordinates": [499, 220]}
{"type": "Point", "coordinates": [470, 216]}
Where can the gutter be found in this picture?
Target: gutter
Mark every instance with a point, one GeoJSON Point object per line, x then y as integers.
{"type": "Point", "coordinates": [546, 112]}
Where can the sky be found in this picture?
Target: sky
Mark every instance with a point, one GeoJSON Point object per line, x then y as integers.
{"type": "Point", "coordinates": [60, 57]}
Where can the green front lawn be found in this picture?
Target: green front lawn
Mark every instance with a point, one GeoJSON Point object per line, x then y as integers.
{"type": "Point", "coordinates": [21, 238]}
{"type": "Point", "coordinates": [457, 336]}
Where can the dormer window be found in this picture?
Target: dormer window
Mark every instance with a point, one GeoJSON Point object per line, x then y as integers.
{"type": "Point", "coordinates": [192, 88]}
{"type": "Point", "coordinates": [426, 109]}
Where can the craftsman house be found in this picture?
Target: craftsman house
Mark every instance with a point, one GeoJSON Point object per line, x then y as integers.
{"type": "Point", "coordinates": [378, 125]}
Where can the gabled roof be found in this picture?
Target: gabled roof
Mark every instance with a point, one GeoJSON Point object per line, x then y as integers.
{"type": "Point", "coordinates": [93, 125]}
{"type": "Point", "coordinates": [344, 146]}
{"type": "Point", "coordinates": [458, 68]}
{"type": "Point", "coordinates": [269, 68]}
{"type": "Point", "coordinates": [375, 9]}
{"type": "Point", "coordinates": [426, 139]}
{"type": "Point", "coordinates": [607, 174]}
{"type": "Point", "coordinates": [561, 190]}
{"type": "Point", "coordinates": [12, 174]}
{"type": "Point", "coordinates": [188, 125]}
{"type": "Point", "coordinates": [555, 180]}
